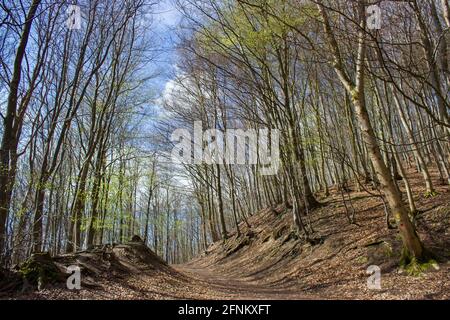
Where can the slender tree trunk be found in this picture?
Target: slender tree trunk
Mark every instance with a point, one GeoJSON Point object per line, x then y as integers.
{"type": "Point", "coordinates": [412, 245]}
{"type": "Point", "coordinates": [7, 172]}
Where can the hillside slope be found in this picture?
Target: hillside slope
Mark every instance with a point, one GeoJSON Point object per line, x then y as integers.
{"type": "Point", "coordinates": [271, 254]}
{"type": "Point", "coordinates": [107, 272]}
{"type": "Point", "coordinates": [268, 261]}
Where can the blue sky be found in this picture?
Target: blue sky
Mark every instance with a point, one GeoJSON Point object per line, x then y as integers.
{"type": "Point", "coordinates": [167, 19]}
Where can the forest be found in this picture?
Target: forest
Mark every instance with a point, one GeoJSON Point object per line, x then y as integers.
{"type": "Point", "coordinates": [249, 144]}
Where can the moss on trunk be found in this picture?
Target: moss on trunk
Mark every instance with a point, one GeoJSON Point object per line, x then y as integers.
{"type": "Point", "coordinates": [414, 266]}
{"type": "Point", "coordinates": [40, 270]}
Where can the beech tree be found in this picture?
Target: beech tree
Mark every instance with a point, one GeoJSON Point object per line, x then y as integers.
{"type": "Point", "coordinates": [86, 156]}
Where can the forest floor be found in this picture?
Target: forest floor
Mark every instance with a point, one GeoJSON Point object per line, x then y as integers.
{"type": "Point", "coordinates": [335, 266]}
{"type": "Point", "coordinates": [269, 261]}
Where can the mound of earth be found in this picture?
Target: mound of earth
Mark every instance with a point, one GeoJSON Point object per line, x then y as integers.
{"type": "Point", "coordinates": [268, 260]}
{"type": "Point", "coordinates": [105, 270]}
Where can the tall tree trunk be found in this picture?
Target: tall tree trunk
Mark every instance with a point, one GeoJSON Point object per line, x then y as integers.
{"type": "Point", "coordinates": [9, 138]}
{"type": "Point", "coordinates": [220, 202]}
{"type": "Point", "coordinates": [412, 244]}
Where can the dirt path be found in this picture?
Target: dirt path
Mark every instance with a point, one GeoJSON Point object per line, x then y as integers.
{"type": "Point", "coordinates": [139, 274]}
{"type": "Point", "coordinates": [220, 287]}
{"type": "Point", "coordinates": [272, 264]}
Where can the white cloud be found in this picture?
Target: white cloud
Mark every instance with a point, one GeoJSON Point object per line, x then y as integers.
{"type": "Point", "coordinates": [167, 13]}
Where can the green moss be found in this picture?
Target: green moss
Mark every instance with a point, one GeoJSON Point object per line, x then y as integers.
{"type": "Point", "coordinates": [430, 194]}
{"type": "Point", "coordinates": [354, 94]}
{"type": "Point", "coordinates": [362, 260]}
{"type": "Point", "coordinates": [39, 270]}
{"type": "Point", "coordinates": [388, 251]}
{"type": "Point", "coordinates": [415, 267]}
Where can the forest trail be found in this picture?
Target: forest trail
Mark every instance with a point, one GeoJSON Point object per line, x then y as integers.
{"type": "Point", "coordinates": [224, 149]}
{"type": "Point", "coordinates": [155, 281]}
{"type": "Point", "coordinates": [270, 261]}
{"type": "Point", "coordinates": [225, 287]}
